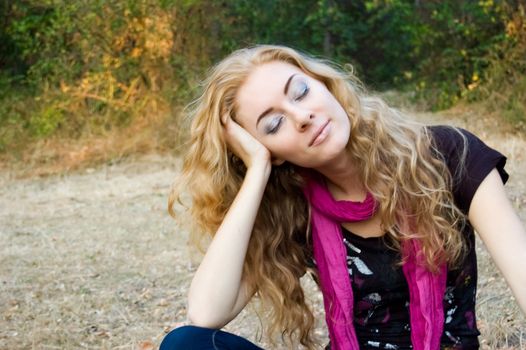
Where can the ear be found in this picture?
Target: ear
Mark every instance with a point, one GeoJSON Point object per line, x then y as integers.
{"type": "Point", "coordinates": [277, 161]}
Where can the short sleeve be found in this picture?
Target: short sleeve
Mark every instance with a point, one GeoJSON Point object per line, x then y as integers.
{"type": "Point", "coordinates": [469, 160]}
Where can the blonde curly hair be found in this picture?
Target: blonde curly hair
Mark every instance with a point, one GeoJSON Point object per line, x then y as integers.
{"type": "Point", "coordinates": [397, 159]}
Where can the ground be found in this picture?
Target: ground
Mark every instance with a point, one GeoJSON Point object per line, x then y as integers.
{"type": "Point", "coordinates": [91, 259]}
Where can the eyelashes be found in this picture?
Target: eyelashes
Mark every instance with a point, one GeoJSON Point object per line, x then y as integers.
{"type": "Point", "coordinates": [274, 124]}
{"type": "Point", "coordinates": [301, 90]}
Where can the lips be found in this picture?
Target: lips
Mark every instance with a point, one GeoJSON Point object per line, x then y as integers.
{"type": "Point", "coordinates": [320, 134]}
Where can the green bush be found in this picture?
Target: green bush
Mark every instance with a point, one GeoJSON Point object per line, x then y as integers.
{"type": "Point", "coordinates": [501, 87]}
{"type": "Point", "coordinates": [69, 68]}
{"type": "Point", "coordinates": [46, 121]}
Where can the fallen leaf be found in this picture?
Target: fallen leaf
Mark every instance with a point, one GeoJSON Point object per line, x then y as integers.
{"type": "Point", "coordinates": [145, 345]}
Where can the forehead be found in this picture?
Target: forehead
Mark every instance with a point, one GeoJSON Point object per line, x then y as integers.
{"type": "Point", "coordinates": [263, 88]}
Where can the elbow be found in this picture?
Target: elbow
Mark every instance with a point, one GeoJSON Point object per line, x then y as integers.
{"type": "Point", "coordinates": [200, 317]}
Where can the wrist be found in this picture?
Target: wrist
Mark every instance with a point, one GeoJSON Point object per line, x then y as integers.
{"type": "Point", "coordinates": [262, 167]}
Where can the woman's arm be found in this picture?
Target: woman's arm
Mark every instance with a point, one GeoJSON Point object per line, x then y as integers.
{"type": "Point", "coordinates": [217, 293]}
{"type": "Point", "coordinates": [501, 230]}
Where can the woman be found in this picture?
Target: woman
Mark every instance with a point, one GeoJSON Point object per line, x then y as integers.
{"type": "Point", "coordinates": [292, 167]}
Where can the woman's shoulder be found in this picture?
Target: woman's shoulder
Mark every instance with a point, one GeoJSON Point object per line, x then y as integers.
{"type": "Point", "coordinates": [458, 145]}
{"type": "Point", "coordinates": [457, 142]}
{"type": "Point", "coordinates": [449, 136]}
{"type": "Point", "coordinates": [468, 158]}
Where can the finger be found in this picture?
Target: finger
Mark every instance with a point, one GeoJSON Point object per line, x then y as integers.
{"type": "Point", "coordinates": [225, 118]}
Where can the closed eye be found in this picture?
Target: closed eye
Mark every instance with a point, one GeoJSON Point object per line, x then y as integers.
{"type": "Point", "coordinates": [302, 90]}
{"type": "Point", "coordinates": [273, 124]}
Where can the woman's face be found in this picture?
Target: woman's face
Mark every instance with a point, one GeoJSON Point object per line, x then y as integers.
{"type": "Point", "coordinates": [292, 114]}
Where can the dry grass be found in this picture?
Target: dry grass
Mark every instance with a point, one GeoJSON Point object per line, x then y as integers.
{"type": "Point", "coordinates": [159, 132]}
{"type": "Point", "coordinates": [90, 259]}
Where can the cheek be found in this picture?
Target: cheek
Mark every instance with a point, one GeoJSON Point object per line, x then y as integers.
{"type": "Point", "coordinates": [286, 148]}
{"type": "Point", "coordinates": [341, 115]}
{"type": "Point", "coordinates": [337, 107]}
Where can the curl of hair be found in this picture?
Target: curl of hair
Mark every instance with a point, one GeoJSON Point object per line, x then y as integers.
{"type": "Point", "coordinates": [398, 162]}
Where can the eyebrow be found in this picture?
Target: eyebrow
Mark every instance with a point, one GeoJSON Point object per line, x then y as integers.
{"type": "Point", "coordinates": [285, 91]}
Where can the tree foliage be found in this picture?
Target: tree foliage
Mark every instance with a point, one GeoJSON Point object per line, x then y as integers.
{"type": "Point", "coordinates": [76, 67]}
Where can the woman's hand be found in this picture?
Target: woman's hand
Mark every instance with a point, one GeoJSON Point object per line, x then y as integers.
{"type": "Point", "coordinates": [244, 145]}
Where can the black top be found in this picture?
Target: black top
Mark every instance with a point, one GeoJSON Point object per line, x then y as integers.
{"type": "Point", "coordinates": [381, 294]}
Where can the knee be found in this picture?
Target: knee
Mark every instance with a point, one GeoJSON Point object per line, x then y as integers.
{"type": "Point", "coordinates": [186, 337]}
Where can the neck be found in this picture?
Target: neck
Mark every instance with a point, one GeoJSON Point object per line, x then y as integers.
{"type": "Point", "coordinates": [343, 180]}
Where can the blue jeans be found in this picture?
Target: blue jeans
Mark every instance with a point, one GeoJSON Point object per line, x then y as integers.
{"type": "Point", "coordinates": [198, 338]}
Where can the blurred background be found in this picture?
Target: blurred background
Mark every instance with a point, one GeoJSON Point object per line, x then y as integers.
{"type": "Point", "coordinates": [88, 81]}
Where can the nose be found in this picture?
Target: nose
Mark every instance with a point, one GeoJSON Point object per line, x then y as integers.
{"type": "Point", "coordinates": [302, 118]}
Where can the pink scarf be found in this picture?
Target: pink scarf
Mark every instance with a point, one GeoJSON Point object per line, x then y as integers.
{"type": "Point", "coordinates": [426, 290]}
